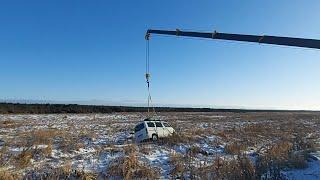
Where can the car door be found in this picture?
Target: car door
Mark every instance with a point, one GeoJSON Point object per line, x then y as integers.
{"type": "Point", "coordinates": [151, 128]}
{"type": "Point", "coordinates": [159, 129]}
{"type": "Point", "coordinates": [139, 133]}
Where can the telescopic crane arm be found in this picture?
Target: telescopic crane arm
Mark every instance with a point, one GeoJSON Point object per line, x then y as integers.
{"type": "Point", "coordinates": [264, 39]}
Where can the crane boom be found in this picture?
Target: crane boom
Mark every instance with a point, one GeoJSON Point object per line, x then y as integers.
{"type": "Point", "coordinates": [264, 39]}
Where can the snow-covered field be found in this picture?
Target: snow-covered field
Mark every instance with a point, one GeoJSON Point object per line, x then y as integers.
{"type": "Point", "coordinates": [206, 146]}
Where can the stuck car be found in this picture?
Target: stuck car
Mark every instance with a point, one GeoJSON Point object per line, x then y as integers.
{"type": "Point", "coordinates": [152, 129]}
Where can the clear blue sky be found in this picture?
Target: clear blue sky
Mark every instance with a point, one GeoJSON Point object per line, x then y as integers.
{"type": "Point", "coordinates": [81, 50]}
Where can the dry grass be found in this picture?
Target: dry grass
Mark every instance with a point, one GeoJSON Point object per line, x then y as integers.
{"type": "Point", "coordinates": [64, 172]}
{"type": "Point", "coordinates": [194, 150]}
{"type": "Point", "coordinates": [235, 148]}
{"type": "Point", "coordinates": [282, 142]}
{"type": "Point", "coordinates": [48, 150]}
{"type": "Point", "coordinates": [145, 149]}
{"type": "Point", "coordinates": [112, 149]}
{"type": "Point", "coordinates": [10, 124]}
{"type": "Point", "coordinates": [177, 166]}
{"type": "Point", "coordinates": [280, 155]}
{"type": "Point", "coordinates": [238, 168]}
{"type": "Point", "coordinates": [177, 138]}
{"type": "Point", "coordinates": [68, 142]}
{"type": "Point", "coordinates": [130, 149]}
{"type": "Point", "coordinates": [43, 136]}
{"type": "Point", "coordinates": [3, 155]}
{"type": "Point", "coordinates": [202, 132]}
{"type": "Point", "coordinates": [87, 134]}
{"type": "Point", "coordinates": [23, 159]}
{"type": "Point", "coordinates": [4, 175]}
{"type": "Point", "coordinates": [128, 167]}
{"type": "Point", "coordinates": [222, 134]}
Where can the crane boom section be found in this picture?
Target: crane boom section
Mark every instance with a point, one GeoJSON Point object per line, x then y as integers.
{"type": "Point", "coordinates": [264, 39]}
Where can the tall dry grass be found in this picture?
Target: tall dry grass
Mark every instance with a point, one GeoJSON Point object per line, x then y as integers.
{"type": "Point", "coordinates": [129, 167]}
{"type": "Point", "coordinates": [5, 175]}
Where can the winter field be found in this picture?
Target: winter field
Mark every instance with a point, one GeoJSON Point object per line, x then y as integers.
{"type": "Point", "coordinates": [252, 145]}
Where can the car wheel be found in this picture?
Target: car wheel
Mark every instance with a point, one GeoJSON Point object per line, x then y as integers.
{"type": "Point", "coordinates": [154, 137]}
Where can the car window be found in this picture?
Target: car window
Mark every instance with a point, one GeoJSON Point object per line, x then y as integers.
{"type": "Point", "coordinates": [158, 124]}
{"type": "Point", "coordinates": [166, 124]}
{"type": "Point", "coordinates": [150, 124]}
{"type": "Point", "coordinates": [139, 127]}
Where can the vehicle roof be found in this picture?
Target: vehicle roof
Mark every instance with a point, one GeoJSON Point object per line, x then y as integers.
{"type": "Point", "coordinates": [152, 120]}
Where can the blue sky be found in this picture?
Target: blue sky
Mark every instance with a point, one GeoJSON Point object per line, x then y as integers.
{"type": "Point", "coordinates": [81, 50]}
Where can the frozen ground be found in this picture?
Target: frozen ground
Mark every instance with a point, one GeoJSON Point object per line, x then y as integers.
{"type": "Point", "coordinates": [32, 145]}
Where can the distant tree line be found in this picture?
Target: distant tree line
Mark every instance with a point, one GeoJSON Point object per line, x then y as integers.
{"type": "Point", "coordinates": [17, 108]}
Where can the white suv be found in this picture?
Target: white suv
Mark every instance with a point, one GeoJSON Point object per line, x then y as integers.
{"type": "Point", "coordinates": [152, 129]}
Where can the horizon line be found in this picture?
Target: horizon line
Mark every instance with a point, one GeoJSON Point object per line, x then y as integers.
{"type": "Point", "coordinates": [143, 105]}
